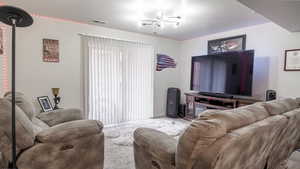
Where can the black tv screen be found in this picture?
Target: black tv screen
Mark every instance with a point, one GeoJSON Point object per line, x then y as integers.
{"type": "Point", "coordinates": [227, 73]}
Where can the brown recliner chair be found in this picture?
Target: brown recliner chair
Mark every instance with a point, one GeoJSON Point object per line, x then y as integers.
{"type": "Point", "coordinates": [52, 140]}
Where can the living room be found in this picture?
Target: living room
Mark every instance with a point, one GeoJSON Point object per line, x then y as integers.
{"type": "Point", "coordinates": [124, 94]}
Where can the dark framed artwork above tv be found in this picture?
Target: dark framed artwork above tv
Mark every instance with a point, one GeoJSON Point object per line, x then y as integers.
{"type": "Point", "coordinates": [235, 43]}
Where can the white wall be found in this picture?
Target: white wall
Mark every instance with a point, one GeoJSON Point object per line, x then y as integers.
{"type": "Point", "coordinates": [36, 78]}
{"type": "Point", "coordinates": [269, 42]}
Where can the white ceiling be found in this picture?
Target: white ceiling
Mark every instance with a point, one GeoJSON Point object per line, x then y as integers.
{"type": "Point", "coordinates": [285, 13]}
{"type": "Point", "coordinates": [200, 17]}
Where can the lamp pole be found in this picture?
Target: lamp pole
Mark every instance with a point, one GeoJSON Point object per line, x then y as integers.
{"type": "Point", "coordinates": [15, 17]}
{"type": "Point", "coordinates": [13, 92]}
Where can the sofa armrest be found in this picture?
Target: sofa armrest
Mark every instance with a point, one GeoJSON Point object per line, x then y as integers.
{"type": "Point", "coordinates": [70, 131]}
{"type": "Point", "coordinates": [58, 116]}
{"type": "Point", "coordinates": [158, 144]}
{"type": "Point", "coordinates": [298, 145]}
{"type": "Point", "coordinates": [298, 101]}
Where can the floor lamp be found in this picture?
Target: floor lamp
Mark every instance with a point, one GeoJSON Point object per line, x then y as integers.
{"type": "Point", "coordinates": [15, 17]}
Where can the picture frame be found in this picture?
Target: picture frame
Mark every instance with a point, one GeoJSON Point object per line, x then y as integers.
{"type": "Point", "coordinates": [292, 60]}
{"type": "Point", "coordinates": [50, 50]}
{"type": "Point", "coordinates": [235, 43]}
{"type": "Point", "coordinates": [45, 103]}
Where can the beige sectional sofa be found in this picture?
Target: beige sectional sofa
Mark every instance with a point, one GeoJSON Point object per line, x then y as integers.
{"type": "Point", "coordinates": [259, 136]}
{"type": "Point", "coordinates": [55, 140]}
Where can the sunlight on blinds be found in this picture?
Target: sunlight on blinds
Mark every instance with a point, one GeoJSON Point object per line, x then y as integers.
{"type": "Point", "coordinates": [3, 62]}
{"type": "Point", "coordinates": [120, 80]}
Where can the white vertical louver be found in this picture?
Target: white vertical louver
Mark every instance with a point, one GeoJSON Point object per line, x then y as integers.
{"type": "Point", "coordinates": [4, 69]}
{"type": "Point", "coordinates": [118, 80]}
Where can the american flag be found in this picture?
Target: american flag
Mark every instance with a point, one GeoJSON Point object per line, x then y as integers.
{"type": "Point", "coordinates": [164, 61]}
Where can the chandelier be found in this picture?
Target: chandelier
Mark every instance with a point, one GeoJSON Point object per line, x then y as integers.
{"type": "Point", "coordinates": [160, 21]}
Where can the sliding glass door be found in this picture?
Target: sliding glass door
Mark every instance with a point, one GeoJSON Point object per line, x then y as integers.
{"type": "Point", "coordinates": [119, 80]}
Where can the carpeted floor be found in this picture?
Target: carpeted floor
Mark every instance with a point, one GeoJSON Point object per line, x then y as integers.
{"type": "Point", "coordinates": [118, 139]}
{"type": "Point", "coordinates": [294, 161]}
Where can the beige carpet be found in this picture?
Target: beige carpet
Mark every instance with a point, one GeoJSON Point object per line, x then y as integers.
{"type": "Point", "coordinates": [294, 161]}
{"type": "Point", "coordinates": [118, 139]}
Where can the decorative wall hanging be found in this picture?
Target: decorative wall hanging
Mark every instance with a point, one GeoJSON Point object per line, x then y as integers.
{"type": "Point", "coordinates": [50, 50]}
{"type": "Point", "coordinates": [292, 60]}
{"type": "Point", "coordinates": [1, 42]}
{"type": "Point", "coordinates": [164, 61]}
{"type": "Point", "coordinates": [236, 43]}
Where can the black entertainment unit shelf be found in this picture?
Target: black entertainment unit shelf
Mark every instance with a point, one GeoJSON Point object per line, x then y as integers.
{"type": "Point", "coordinates": [197, 102]}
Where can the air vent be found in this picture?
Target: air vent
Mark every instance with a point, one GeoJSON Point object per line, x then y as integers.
{"type": "Point", "coordinates": [95, 21]}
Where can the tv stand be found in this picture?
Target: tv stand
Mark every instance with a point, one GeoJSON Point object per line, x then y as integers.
{"type": "Point", "coordinates": [197, 103]}
{"type": "Point", "coordinates": [219, 95]}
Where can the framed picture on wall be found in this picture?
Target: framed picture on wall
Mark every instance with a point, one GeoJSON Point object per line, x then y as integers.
{"type": "Point", "coordinates": [45, 103]}
{"type": "Point", "coordinates": [236, 43]}
{"type": "Point", "coordinates": [50, 50]}
{"type": "Point", "coordinates": [292, 60]}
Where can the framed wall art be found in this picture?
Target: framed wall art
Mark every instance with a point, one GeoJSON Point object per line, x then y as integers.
{"type": "Point", "coordinates": [50, 50]}
{"type": "Point", "coordinates": [45, 103]}
{"type": "Point", "coordinates": [292, 60]}
{"type": "Point", "coordinates": [236, 43]}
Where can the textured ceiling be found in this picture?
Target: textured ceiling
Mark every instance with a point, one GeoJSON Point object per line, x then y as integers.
{"type": "Point", "coordinates": [200, 17]}
{"type": "Point", "coordinates": [285, 13]}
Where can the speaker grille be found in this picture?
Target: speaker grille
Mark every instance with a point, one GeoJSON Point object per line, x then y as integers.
{"type": "Point", "coordinates": [173, 102]}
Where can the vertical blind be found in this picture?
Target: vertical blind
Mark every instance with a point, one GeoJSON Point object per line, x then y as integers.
{"type": "Point", "coordinates": [118, 80]}
{"type": "Point", "coordinates": [3, 62]}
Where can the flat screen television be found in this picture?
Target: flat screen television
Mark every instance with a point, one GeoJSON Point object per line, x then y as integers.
{"type": "Point", "coordinates": [227, 74]}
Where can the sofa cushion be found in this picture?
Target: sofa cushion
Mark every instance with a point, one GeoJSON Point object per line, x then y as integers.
{"type": "Point", "coordinates": [250, 146]}
{"type": "Point", "coordinates": [208, 111]}
{"type": "Point", "coordinates": [24, 127]}
{"type": "Point", "coordinates": [84, 153]}
{"type": "Point", "coordinates": [39, 125]}
{"type": "Point", "coordinates": [5, 147]}
{"type": "Point", "coordinates": [287, 139]}
{"type": "Point", "coordinates": [160, 145]}
{"type": "Point", "coordinates": [59, 116]}
{"type": "Point", "coordinates": [290, 103]}
{"type": "Point", "coordinates": [277, 107]}
{"type": "Point", "coordinates": [298, 101]}
{"type": "Point", "coordinates": [236, 118]}
{"type": "Point", "coordinates": [23, 103]}
{"type": "Point", "coordinates": [198, 136]}
{"type": "Point", "coordinates": [70, 131]}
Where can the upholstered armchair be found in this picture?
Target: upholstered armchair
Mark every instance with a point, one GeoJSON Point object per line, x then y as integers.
{"type": "Point", "coordinates": [54, 140]}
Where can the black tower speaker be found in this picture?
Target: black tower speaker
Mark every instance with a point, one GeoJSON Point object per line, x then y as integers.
{"type": "Point", "coordinates": [173, 102]}
{"type": "Point", "coordinates": [270, 95]}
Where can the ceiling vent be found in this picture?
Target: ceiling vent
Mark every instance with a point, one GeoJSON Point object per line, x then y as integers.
{"type": "Point", "coordinates": [96, 21]}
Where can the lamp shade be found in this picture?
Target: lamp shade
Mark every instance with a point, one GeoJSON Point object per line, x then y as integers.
{"type": "Point", "coordinates": [55, 91]}
{"type": "Point", "coordinates": [10, 13]}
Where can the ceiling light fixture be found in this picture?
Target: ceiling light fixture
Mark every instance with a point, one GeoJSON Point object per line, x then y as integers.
{"type": "Point", "coordinates": [160, 21]}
